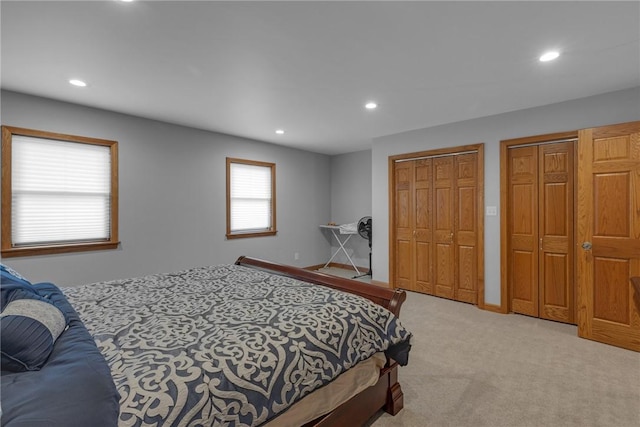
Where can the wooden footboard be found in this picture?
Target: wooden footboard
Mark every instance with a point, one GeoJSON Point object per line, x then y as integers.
{"type": "Point", "coordinates": [386, 393]}
{"type": "Point", "coordinates": [390, 299]}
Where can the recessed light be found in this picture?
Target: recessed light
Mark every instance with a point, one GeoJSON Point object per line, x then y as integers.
{"type": "Point", "coordinates": [126, 1]}
{"type": "Point", "coordinates": [371, 106]}
{"type": "Point", "coordinates": [77, 82]}
{"type": "Point", "coordinates": [280, 131]}
{"type": "Point", "coordinates": [549, 56]}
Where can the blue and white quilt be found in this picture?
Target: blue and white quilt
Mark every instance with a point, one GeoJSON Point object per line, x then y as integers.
{"type": "Point", "coordinates": [227, 345]}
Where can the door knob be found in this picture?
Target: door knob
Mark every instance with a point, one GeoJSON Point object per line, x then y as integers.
{"type": "Point", "coordinates": [586, 246]}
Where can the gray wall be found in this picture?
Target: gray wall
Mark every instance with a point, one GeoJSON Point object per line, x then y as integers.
{"type": "Point", "coordinates": [610, 108]}
{"type": "Point", "coordinates": [350, 201]}
{"type": "Point", "coordinates": [172, 196]}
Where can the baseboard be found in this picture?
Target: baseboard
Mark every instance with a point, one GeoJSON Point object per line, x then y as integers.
{"type": "Point", "coordinates": [381, 284]}
{"type": "Point", "coordinates": [493, 308]}
{"type": "Point", "coordinates": [337, 265]}
{"type": "Point", "coordinates": [362, 270]}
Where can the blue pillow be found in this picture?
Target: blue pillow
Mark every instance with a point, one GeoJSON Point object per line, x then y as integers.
{"type": "Point", "coordinates": [29, 327]}
{"type": "Point", "coordinates": [10, 281]}
{"type": "Point", "coordinates": [9, 275]}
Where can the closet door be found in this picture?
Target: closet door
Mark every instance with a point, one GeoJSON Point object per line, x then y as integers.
{"type": "Point", "coordinates": [413, 229]}
{"type": "Point", "coordinates": [404, 218]}
{"type": "Point", "coordinates": [541, 266]}
{"type": "Point", "coordinates": [466, 228]}
{"type": "Point", "coordinates": [444, 211]}
{"type": "Point", "coordinates": [423, 225]}
{"type": "Point", "coordinates": [522, 224]}
{"type": "Point", "coordinates": [556, 243]}
{"type": "Point", "coordinates": [436, 222]}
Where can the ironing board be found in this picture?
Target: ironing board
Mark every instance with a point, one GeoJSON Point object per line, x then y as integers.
{"type": "Point", "coordinates": [335, 230]}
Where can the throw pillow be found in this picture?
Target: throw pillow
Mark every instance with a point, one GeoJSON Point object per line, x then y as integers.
{"type": "Point", "coordinates": [29, 327]}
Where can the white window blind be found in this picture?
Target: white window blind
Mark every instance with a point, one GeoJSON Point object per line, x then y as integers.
{"type": "Point", "coordinates": [61, 191]}
{"type": "Point", "coordinates": [250, 198]}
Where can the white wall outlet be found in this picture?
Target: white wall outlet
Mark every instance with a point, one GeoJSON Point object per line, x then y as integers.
{"type": "Point", "coordinates": [296, 256]}
{"type": "Point", "coordinates": [492, 211]}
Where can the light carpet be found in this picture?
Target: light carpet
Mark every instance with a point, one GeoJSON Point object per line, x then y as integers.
{"type": "Point", "coordinates": [470, 367]}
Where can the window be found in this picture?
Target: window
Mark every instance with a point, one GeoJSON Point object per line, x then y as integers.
{"type": "Point", "coordinates": [59, 193]}
{"type": "Point", "coordinates": [251, 198]}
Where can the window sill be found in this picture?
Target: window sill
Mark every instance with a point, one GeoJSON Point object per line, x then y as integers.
{"type": "Point", "coordinates": [57, 249]}
{"type": "Point", "coordinates": [254, 234]}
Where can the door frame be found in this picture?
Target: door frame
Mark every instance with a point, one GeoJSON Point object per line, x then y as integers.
{"type": "Point", "coordinates": [479, 149]}
{"type": "Point", "coordinates": [505, 289]}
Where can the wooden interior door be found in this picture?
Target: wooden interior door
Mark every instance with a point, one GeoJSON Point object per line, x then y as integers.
{"type": "Point", "coordinates": [404, 219]}
{"type": "Point", "coordinates": [413, 229]}
{"type": "Point", "coordinates": [608, 234]}
{"type": "Point", "coordinates": [466, 228]}
{"type": "Point", "coordinates": [423, 196]}
{"type": "Point", "coordinates": [444, 211]}
{"type": "Point", "coordinates": [556, 225]}
{"type": "Point", "coordinates": [541, 224]}
{"type": "Point", "coordinates": [523, 229]}
{"type": "Point", "coordinates": [437, 223]}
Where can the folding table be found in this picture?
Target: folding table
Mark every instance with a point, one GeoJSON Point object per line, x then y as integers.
{"type": "Point", "coordinates": [335, 230]}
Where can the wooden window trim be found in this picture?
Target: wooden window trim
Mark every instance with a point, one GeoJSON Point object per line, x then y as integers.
{"type": "Point", "coordinates": [7, 248]}
{"type": "Point", "coordinates": [239, 235]}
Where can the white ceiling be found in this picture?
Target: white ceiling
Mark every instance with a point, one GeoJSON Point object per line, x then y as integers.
{"type": "Point", "coordinates": [248, 68]}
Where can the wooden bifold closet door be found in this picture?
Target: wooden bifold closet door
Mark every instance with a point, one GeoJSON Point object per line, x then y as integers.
{"type": "Point", "coordinates": [413, 231]}
{"type": "Point", "coordinates": [541, 230]}
{"type": "Point", "coordinates": [436, 225]}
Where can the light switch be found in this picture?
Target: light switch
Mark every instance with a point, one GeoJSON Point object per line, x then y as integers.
{"type": "Point", "coordinates": [492, 210]}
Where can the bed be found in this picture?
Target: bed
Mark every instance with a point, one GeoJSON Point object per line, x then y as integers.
{"type": "Point", "coordinates": [253, 343]}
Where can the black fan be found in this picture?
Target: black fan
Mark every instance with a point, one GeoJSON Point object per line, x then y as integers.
{"type": "Point", "coordinates": [364, 230]}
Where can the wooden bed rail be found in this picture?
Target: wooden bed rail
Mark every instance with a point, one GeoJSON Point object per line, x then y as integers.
{"type": "Point", "coordinates": [392, 300]}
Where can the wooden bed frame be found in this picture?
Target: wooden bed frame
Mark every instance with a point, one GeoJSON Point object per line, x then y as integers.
{"type": "Point", "coordinates": [386, 393]}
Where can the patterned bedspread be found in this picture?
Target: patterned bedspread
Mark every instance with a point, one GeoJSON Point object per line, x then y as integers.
{"type": "Point", "coordinates": [226, 345]}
